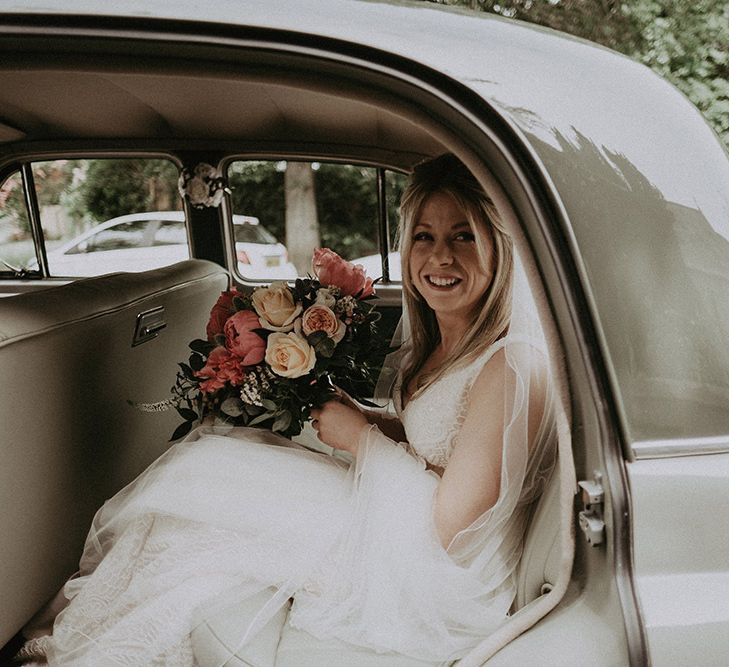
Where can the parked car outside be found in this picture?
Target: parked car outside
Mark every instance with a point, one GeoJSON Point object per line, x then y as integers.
{"type": "Point", "coordinates": [151, 240]}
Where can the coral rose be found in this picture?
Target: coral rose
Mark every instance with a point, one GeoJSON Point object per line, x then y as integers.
{"type": "Point", "coordinates": [289, 355]}
{"type": "Point", "coordinates": [220, 312]}
{"type": "Point", "coordinates": [241, 339]}
{"type": "Point", "coordinates": [321, 318]}
{"type": "Point", "coordinates": [276, 307]}
{"type": "Point", "coordinates": [220, 368]}
{"type": "Point", "coordinates": [350, 278]}
{"type": "Point", "coordinates": [210, 372]}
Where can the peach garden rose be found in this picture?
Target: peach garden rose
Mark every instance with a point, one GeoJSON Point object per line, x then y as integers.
{"type": "Point", "coordinates": [322, 318]}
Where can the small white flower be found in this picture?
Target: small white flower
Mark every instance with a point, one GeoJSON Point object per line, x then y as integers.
{"type": "Point", "coordinates": [324, 297]}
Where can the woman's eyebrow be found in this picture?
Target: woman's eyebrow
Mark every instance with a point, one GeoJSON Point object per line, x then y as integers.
{"type": "Point", "coordinates": [458, 225]}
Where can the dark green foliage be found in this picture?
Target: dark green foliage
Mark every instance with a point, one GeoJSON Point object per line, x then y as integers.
{"type": "Point", "coordinates": [685, 42]}
{"type": "Point", "coordinates": [346, 202]}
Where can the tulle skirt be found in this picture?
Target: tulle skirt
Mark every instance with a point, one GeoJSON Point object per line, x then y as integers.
{"type": "Point", "coordinates": [222, 518]}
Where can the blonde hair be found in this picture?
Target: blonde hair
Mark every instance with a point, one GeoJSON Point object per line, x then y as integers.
{"type": "Point", "coordinates": [447, 174]}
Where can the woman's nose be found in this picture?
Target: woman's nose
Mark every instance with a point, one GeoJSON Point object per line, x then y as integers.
{"type": "Point", "coordinates": [441, 255]}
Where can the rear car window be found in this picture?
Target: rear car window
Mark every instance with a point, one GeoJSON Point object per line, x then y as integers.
{"type": "Point", "coordinates": [92, 216]}
{"type": "Point", "coordinates": [283, 210]}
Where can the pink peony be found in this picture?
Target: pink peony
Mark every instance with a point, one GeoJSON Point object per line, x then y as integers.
{"type": "Point", "coordinates": [221, 311]}
{"type": "Point", "coordinates": [241, 340]}
{"type": "Point", "coordinates": [350, 278]}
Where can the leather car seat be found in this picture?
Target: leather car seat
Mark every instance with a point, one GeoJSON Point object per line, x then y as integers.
{"type": "Point", "coordinates": [69, 438]}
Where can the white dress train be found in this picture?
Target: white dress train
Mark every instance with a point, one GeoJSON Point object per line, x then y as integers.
{"type": "Point", "coordinates": [218, 518]}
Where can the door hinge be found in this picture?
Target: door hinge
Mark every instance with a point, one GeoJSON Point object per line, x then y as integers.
{"type": "Point", "coordinates": [590, 518]}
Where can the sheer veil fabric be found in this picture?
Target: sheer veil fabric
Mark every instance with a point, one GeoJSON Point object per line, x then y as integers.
{"type": "Point", "coordinates": [224, 517]}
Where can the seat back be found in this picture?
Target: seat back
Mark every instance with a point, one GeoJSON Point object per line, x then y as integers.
{"type": "Point", "coordinates": [68, 437]}
{"type": "Point", "coordinates": [541, 558]}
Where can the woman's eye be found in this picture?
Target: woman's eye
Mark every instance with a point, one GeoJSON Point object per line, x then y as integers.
{"type": "Point", "coordinates": [465, 236]}
{"type": "Point", "coordinates": [422, 236]}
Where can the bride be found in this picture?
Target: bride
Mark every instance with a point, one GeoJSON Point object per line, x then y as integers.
{"type": "Point", "coordinates": [413, 546]}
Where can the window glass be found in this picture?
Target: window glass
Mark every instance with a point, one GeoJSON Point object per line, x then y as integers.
{"type": "Point", "coordinates": [105, 215]}
{"type": "Point", "coordinates": [283, 210]}
{"type": "Point", "coordinates": [16, 241]}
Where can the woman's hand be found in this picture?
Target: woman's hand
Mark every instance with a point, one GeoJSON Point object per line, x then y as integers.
{"type": "Point", "coordinates": [339, 425]}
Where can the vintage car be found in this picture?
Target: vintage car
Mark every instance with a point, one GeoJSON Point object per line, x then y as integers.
{"type": "Point", "coordinates": [616, 191]}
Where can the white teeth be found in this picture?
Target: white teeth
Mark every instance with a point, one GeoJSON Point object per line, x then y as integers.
{"type": "Point", "coordinates": [442, 282]}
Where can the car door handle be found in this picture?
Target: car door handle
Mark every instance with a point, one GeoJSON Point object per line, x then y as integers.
{"type": "Point", "coordinates": [149, 324]}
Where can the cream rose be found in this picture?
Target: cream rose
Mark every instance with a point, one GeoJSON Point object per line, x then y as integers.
{"type": "Point", "coordinates": [275, 307]}
{"type": "Point", "coordinates": [321, 318]}
{"type": "Point", "coordinates": [289, 355]}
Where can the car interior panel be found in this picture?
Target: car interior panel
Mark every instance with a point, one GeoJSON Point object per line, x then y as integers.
{"type": "Point", "coordinates": [78, 441]}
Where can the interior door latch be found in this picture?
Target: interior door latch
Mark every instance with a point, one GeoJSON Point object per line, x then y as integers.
{"type": "Point", "coordinates": [149, 324]}
{"type": "Point", "coordinates": [591, 518]}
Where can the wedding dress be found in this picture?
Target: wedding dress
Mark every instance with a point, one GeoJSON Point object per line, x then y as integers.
{"type": "Point", "coordinates": [224, 517]}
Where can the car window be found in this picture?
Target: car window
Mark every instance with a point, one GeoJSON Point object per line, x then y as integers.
{"type": "Point", "coordinates": [16, 240]}
{"type": "Point", "coordinates": [294, 207]}
{"type": "Point", "coordinates": [96, 216]}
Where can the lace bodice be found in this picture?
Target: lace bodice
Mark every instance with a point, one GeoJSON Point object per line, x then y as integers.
{"type": "Point", "coordinates": [434, 416]}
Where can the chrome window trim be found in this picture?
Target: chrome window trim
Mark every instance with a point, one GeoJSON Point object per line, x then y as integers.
{"type": "Point", "coordinates": [700, 446]}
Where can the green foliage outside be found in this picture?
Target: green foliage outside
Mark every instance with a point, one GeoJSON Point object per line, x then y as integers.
{"type": "Point", "coordinates": [346, 202]}
{"type": "Point", "coordinates": [685, 42]}
{"type": "Point", "coordinates": [92, 191]}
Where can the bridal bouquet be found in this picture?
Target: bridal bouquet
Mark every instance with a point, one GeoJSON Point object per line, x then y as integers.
{"type": "Point", "coordinates": [271, 356]}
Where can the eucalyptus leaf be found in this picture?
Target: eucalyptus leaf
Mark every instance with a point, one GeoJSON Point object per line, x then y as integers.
{"type": "Point", "coordinates": [187, 414]}
{"type": "Point", "coordinates": [232, 406]}
{"type": "Point", "coordinates": [282, 422]}
{"type": "Point", "coordinates": [325, 347]}
{"type": "Point", "coordinates": [269, 405]}
{"type": "Point", "coordinates": [186, 371]}
{"type": "Point", "coordinates": [260, 419]}
{"type": "Point", "coordinates": [197, 363]}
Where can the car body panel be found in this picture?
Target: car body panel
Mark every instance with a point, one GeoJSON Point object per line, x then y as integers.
{"type": "Point", "coordinates": [681, 544]}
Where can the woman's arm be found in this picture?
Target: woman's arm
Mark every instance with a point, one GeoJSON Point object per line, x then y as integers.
{"type": "Point", "coordinates": [470, 484]}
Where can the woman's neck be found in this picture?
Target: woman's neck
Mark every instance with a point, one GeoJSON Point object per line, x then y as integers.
{"type": "Point", "coordinates": [451, 333]}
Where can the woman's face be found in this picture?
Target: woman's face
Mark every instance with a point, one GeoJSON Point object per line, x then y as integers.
{"type": "Point", "coordinates": [444, 262]}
